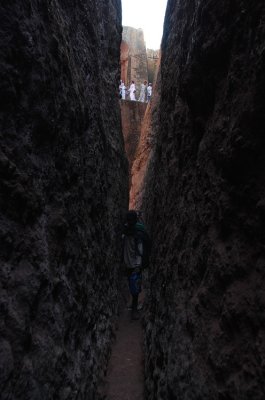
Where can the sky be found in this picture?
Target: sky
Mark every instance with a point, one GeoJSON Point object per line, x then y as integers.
{"type": "Point", "coordinates": [148, 15]}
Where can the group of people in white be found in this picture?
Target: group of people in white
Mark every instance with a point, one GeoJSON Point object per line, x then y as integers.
{"type": "Point", "coordinates": [145, 92]}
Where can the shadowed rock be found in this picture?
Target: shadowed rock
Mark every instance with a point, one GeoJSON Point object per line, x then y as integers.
{"type": "Point", "coordinates": [204, 203]}
{"type": "Point", "coordinates": [63, 191]}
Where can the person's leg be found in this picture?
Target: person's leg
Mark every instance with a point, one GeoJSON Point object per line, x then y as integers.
{"type": "Point", "coordinates": [134, 281]}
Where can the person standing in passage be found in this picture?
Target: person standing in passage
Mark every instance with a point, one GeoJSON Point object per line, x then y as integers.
{"type": "Point", "coordinates": [132, 91]}
{"type": "Point", "coordinates": [122, 88]}
{"type": "Point", "coordinates": [120, 92]}
{"type": "Point", "coordinates": [132, 255]}
{"type": "Point", "coordinates": [149, 92]}
{"type": "Point", "coordinates": [143, 92]}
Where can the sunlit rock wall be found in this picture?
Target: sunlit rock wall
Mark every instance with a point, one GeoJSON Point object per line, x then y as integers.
{"type": "Point", "coordinates": [132, 116]}
{"type": "Point", "coordinates": [153, 57]}
{"type": "Point", "coordinates": [124, 60]}
{"type": "Point", "coordinates": [63, 193]}
{"type": "Point", "coordinates": [135, 57]}
{"type": "Point", "coordinates": [205, 206]}
{"type": "Point", "coordinates": [145, 147]}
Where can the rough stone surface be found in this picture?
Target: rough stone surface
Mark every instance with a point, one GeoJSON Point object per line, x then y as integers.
{"type": "Point", "coordinates": [153, 57]}
{"type": "Point", "coordinates": [132, 116]}
{"type": "Point", "coordinates": [63, 190]}
{"type": "Point", "coordinates": [124, 60]}
{"type": "Point", "coordinates": [205, 206]}
{"type": "Point", "coordinates": [134, 58]}
{"type": "Point", "coordinates": [145, 148]}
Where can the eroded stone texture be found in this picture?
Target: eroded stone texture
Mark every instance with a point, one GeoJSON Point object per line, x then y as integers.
{"type": "Point", "coordinates": [124, 62]}
{"type": "Point", "coordinates": [145, 148]}
{"type": "Point", "coordinates": [153, 57]}
{"type": "Point", "coordinates": [204, 205]}
{"type": "Point", "coordinates": [132, 116]}
{"type": "Point", "coordinates": [63, 191]}
{"type": "Point", "coordinates": [134, 57]}
{"type": "Point", "coordinates": [137, 62]}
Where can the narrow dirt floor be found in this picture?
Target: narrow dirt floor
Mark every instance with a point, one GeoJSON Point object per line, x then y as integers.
{"type": "Point", "coordinates": [125, 377]}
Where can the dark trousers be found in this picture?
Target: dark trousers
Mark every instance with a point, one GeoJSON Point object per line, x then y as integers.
{"type": "Point", "coordinates": [134, 295]}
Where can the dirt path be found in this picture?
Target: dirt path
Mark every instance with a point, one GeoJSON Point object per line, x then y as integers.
{"type": "Point", "coordinates": [125, 377]}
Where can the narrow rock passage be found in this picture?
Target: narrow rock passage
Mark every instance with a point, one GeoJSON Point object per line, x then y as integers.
{"type": "Point", "coordinates": [125, 377]}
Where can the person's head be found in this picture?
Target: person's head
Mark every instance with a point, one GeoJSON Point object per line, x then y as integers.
{"type": "Point", "coordinates": [150, 84]}
{"type": "Point", "coordinates": [145, 82]}
{"type": "Point", "coordinates": [132, 81]}
{"type": "Point", "coordinates": [131, 217]}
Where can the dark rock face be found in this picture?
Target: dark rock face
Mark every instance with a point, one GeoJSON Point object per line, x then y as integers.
{"type": "Point", "coordinates": [204, 204]}
{"type": "Point", "coordinates": [63, 191]}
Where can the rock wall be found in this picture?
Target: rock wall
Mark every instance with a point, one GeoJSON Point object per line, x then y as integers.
{"type": "Point", "coordinates": [153, 57]}
{"type": "Point", "coordinates": [137, 62]}
{"type": "Point", "coordinates": [145, 148]}
{"type": "Point", "coordinates": [205, 206]}
{"type": "Point", "coordinates": [124, 62]}
{"type": "Point", "coordinates": [134, 57]}
{"type": "Point", "coordinates": [132, 116]}
{"type": "Point", "coordinates": [63, 192]}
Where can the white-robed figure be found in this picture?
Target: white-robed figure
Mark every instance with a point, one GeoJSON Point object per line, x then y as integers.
{"type": "Point", "coordinates": [149, 92]}
{"type": "Point", "coordinates": [122, 88]}
{"type": "Point", "coordinates": [132, 91]}
{"type": "Point", "coordinates": [143, 92]}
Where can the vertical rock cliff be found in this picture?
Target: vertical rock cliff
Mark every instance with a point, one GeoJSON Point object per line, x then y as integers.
{"type": "Point", "coordinates": [137, 62]}
{"type": "Point", "coordinates": [205, 206]}
{"type": "Point", "coordinates": [153, 57]}
{"type": "Point", "coordinates": [133, 56]}
{"type": "Point", "coordinates": [132, 117]}
{"type": "Point", "coordinates": [144, 152]}
{"type": "Point", "coordinates": [63, 191]}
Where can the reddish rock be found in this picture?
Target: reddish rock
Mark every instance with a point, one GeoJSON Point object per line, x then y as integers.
{"type": "Point", "coordinates": [153, 57]}
{"type": "Point", "coordinates": [133, 57]}
{"type": "Point", "coordinates": [124, 62]}
{"type": "Point", "coordinates": [132, 116]}
{"type": "Point", "coordinates": [145, 148]}
{"type": "Point", "coordinates": [137, 62]}
{"type": "Point", "coordinates": [204, 204]}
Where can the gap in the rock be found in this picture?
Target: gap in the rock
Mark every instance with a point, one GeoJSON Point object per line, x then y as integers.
{"type": "Point", "coordinates": [140, 52]}
{"type": "Point", "coordinates": [140, 57]}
